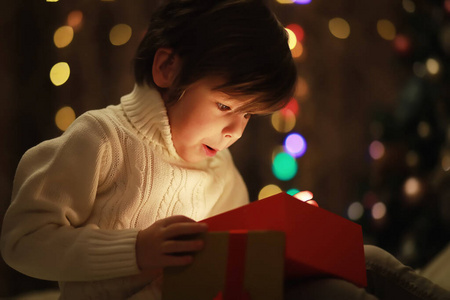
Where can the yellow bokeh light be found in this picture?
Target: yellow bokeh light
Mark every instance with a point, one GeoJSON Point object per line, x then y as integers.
{"type": "Point", "coordinates": [386, 29]}
{"type": "Point", "coordinates": [292, 38]}
{"type": "Point", "coordinates": [52, 0]}
{"type": "Point", "coordinates": [297, 51]}
{"type": "Point", "coordinates": [285, 1]}
{"type": "Point", "coordinates": [432, 66]}
{"type": "Point", "coordinates": [301, 88]}
{"type": "Point", "coordinates": [63, 36]}
{"type": "Point", "coordinates": [412, 158]}
{"type": "Point", "coordinates": [269, 190]}
{"type": "Point", "coordinates": [339, 28]}
{"type": "Point", "coordinates": [60, 73]}
{"type": "Point", "coordinates": [64, 117]}
{"type": "Point", "coordinates": [120, 34]}
{"type": "Point", "coordinates": [283, 122]}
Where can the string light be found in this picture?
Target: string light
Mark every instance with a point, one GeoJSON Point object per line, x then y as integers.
{"type": "Point", "coordinates": [423, 129]}
{"type": "Point", "coordinates": [74, 19]}
{"type": "Point", "coordinates": [412, 158]}
{"type": "Point", "coordinates": [292, 106]}
{"type": "Point", "coordinates": [292, 191]}
{"type": "Point", "coordinates": [269, 190]}
{"type": "Point", "coordinates": [63, 36]}
{"type": "Point", "coordinates": [339, 28]}
{"type": "Point", "coordinates": [386, 29]}
{"type": "Point", "coordinates": [355, 211]}
{"type": "Point", "coordinates": [432, 66]}
{"type": "Point", "coordinates": [292, 39]}
{"type": "Point", "coordinates": [283, 121]}
{"type": "Point", "coordinates": [284, 166]}
{"type": "Point", "coordinates": [378, 210]}
{"type": "Point", "coordinates": [120, 34]}
{"type": "Point", "coordinates": [60, 73]}
{"type": "Point", "coordinates": [376, 150]}
{"type": "Point", "coordinates": [64, 117]}
{"type": "Point", "coordinates": [295, 145]}
{"type": "Point", "coordinates": [409, 6]}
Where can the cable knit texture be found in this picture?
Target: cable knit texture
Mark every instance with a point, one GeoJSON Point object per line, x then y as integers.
{"type": "Point", "coordinates": [79, 200]}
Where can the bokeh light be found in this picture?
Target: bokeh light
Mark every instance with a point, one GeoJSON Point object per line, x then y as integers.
{"type": "Point", "coordinates": [297, 51]}
{"type": "Point", "coordinates": [269, 190]}
{"type": "Point", "coordinates": [64, 117]}
{"type": "Point", "coordinates": [402, 44]}
{"type": "Point", "coordinates": [292, 106]}
{"type": "Point", "coordinates": [285, 1]}
{"type": "Point", "coordinates": [409, 6]}
{"type": "Point", "coordinates": [445, 163]}
{"type": "Point", "coordinates": [423, 129]}
{"type": "Point", "coordinates": [292, 191]}
{"type": "Point", "coordinates": [292, 39]}
{"type": "Point", "coordinates": [412, 158]}
{"type": "Point", "coordinates": [432, 66]}
{"type": "Point", "coordinates": [297, 30]}
{"type": "Point", "coordinates": [120, 34]}
{"type": "Point", "coordinates": [283, 121]}
{"type": "Point", "coordinates": [376, 150]}
{"type": "Point", "coordinates": [412, 187]}
{"type": "Point", "coordinates": [60, 73]}
{"type": "Point", "coordinates": [304, 196]}
{"type": "Point", "coordinates": [63, 36]}
{"type": "Point", "coordinates": [355, 211]}
{"type": "Point", "coordinates": [284, 166]}
{"type": "Point", "coordinates": [378, 210]}
{"type": "Point", "coordinates": [74, 19]}
{"type": "Point", "coordinates": [295, 145]}
{"type": "Point", "coordinates": [386, 29]}
{"type": "Point", "coordinates": [339, 28]}
{"type": "Point", "coordinates": [301, 88]}
{"type": "Point", "coordinates": [302, 1]}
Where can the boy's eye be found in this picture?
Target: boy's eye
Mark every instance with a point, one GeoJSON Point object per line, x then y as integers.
{"type": "Point", "coordinates": [223, 107]}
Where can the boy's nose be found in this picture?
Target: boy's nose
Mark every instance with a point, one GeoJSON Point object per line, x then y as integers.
{"type": "Point", "coordinates": [235, 128]}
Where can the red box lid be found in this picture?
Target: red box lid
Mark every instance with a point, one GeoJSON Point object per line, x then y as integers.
{"type": "Point", "coordinates": [318, 242]}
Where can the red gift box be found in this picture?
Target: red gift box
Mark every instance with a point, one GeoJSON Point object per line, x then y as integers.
{"type": "Point", "coordinates": [318, 242]}
{"type": "Point", "coordinates": [233, 265]}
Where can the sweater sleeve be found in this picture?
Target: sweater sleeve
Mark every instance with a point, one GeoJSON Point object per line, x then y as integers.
{"type": "Point", "coordinates": [45, 231]}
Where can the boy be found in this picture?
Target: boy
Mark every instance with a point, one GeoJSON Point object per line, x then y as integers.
{"type": "Point", "coordinates": [100, 209]}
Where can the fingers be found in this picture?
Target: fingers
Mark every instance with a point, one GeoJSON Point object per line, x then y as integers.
{"type": "Point", "coordinates": [182, 246]}
{"type": "Point", "coordinates": [181, 229]}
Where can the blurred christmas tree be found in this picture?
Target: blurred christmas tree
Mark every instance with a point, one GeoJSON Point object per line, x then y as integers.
{"type": "Point", "coordinates": [407, 200]}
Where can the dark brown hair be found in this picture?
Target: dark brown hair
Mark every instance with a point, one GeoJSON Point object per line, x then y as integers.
{"type": "Point", "coordinates": [240, 41]}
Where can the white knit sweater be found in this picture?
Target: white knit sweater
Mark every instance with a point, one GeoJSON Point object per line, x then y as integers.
{"type": "Point", "coordinates": [80, 199]}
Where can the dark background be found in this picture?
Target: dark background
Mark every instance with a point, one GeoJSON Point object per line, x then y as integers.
{"type": "Point", "coordinates": [358, 90]}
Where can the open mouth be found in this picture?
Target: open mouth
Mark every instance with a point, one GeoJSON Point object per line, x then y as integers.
{"type": "Point", "coordinates": [209, 150]}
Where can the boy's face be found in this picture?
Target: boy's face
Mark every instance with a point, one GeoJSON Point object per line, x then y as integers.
{"type": "Point", "coordinates": [203, 121]}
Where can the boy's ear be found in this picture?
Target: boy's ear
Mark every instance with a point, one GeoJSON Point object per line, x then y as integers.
{"type": "Point", "coordinates": [166, 65]}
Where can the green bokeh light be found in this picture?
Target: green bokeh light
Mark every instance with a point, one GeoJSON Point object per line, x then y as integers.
{"type": "Point", "coordinates": [284, 166]}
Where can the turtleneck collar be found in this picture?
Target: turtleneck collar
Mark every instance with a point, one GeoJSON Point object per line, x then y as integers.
{"type": "Point", "coordinates": [147, 112]}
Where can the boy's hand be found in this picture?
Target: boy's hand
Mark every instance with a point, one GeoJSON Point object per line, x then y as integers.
{"type": "Point", "coordinates": [159, 245]}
